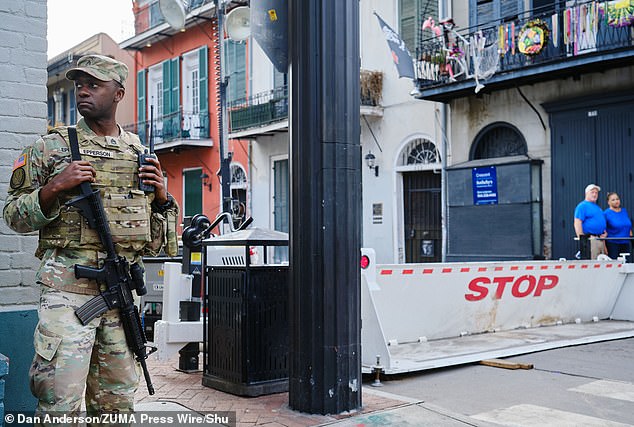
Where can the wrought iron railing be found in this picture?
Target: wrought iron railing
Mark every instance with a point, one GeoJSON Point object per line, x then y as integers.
{"type": "Point", "coordinates": [587, 28]}
{"type": "Point", "coordinates": [182, 125]}
{"type": "Point", "coordinates": [258, 110]}
{"type": "Point", "coordinates": [272, 106]}
{"type": "Point", "coordinates": [149, 15]}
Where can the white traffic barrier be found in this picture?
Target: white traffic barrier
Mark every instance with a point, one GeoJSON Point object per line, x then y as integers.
{"type": "Point", "coordinates": [170, 334]}
{"type": "Point", "coordinates": [421, 316]}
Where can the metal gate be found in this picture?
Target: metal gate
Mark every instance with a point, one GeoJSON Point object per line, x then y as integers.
{"type": "Point", "coordinates": [423, 230]}
{"type": "Point", "coordinates": [590, 144]}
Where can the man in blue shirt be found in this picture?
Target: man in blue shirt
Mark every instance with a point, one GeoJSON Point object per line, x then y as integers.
{"type": "Point", "coordinates": [590, 223]}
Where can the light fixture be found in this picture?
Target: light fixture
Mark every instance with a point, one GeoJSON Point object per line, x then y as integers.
{"type": "Point", "coordinates": [206, 181]}
{"type": "Point", "coordinates": [370, 160]}
{"type": "Point", "coordinates": [148, 44]}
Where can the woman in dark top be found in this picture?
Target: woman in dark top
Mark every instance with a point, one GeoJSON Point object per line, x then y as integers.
{"type": "Point", "coordinates": [618, 224]}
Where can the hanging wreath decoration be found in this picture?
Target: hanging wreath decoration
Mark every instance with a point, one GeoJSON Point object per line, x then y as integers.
{"type": "Point", "coordinates": [533, 37]}
{"type": "Point", "coordinates": [620, 13]}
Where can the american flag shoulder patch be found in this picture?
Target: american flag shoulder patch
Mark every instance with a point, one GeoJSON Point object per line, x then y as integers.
{"type": "Point", "coordinates": [19, 162]}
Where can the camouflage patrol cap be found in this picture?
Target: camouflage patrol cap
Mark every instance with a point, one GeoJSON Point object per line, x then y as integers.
{"type": "Point", "coordinates": [100, 67]}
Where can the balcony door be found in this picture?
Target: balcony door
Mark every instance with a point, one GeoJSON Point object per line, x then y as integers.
{"type": "Point", "coordinates": [195, 109]}
{"type": "Point", "coordinates": [154, 101]}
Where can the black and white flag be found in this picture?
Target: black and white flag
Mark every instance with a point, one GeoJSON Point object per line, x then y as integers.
{"type": "Point", "coordinates": [400, 55]}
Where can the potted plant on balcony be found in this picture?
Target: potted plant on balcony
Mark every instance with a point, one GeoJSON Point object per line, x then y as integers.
{"type": "Point", "coordinates": [371, 87]}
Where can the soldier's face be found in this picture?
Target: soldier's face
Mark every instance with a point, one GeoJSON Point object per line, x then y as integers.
{"type": "Point", "coordinates": [96, 98]}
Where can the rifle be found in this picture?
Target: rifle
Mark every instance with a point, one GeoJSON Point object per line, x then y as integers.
{"type": "Point", "coordinates": [116, 273]}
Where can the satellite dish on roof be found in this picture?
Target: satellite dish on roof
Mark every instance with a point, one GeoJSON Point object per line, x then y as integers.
{"type": "Point", "coordinates": [238, 25]}
{"type": "Point", "coordinates": [174, 13]}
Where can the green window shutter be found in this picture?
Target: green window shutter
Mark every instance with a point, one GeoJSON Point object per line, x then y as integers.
{"type": "Point", "coordinates": [408, 23]}
{"type": "Point", "coordinates": [235, 60]}
{"type": "Point", "coordinates": [140, 90]}
{"type": "Point", "coordinates": [167, 90]}
{"type": "Point", "coordinates": [140, 102]}
{"type": "Point", "coordinates": [175, 85]}
{"type": "Point", "coordinates": [193, 197]}
{"type": "Point", "coordinates": [413, 13]}
{"type": "Point", "coordinates": [203, 88]}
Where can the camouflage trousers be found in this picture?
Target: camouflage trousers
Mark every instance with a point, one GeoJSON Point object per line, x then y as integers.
{"type": "Point", "coordinates": [71, 358]}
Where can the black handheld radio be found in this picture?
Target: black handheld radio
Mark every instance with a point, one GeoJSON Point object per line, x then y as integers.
{"type": "Point", "coordinates": [143, 157]}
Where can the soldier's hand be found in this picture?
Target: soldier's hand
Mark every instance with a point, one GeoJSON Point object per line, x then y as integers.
{"type": "Point", "coordinates": [74, 174]}
{"type": "Point", "coordinates": [153, 175]}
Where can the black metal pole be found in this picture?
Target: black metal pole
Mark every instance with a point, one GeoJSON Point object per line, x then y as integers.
{"type": "Point", "coordinates": [225, 156]}
{"type": "Point", "coordinates": [325, 232]}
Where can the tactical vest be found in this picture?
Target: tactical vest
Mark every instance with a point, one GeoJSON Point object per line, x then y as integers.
{"type": "Point", "coordinates": [128, 209]}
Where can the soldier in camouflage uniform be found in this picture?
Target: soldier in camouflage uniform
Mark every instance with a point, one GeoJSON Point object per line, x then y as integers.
{"type": "Point", "coordinates": [70, 357]}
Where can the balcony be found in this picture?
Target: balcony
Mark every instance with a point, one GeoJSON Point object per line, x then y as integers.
{"type": "Point", "coordinates": [175, 131]}
{"type": "Point", "coordinates": [580, 39]}
{"type": "Point", "coordinates": [267, 112]}
{"type": "Point", "coordinates": [150, 26]}
{"type": "Point", "coordinates": [148, 15]}
{"type": "Point", "coordinates": [260, 114]}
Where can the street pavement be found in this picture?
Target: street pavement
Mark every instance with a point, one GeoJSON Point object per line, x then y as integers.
{"type": "Point", "coordinates": [587, 385]}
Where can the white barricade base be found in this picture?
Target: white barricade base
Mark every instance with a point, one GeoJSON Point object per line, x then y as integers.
{"type": "Point", "coordinates": [170, 337]}
{"type": "Point", "coordinates": [473, 348]}
{"type": "Point", "coordinates": [425, 316]}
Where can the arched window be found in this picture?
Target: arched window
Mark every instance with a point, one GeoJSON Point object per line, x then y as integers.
{"type": "Point", "coordinates": [238, 177]}
{"type": "Point", "coordinates": [419, 151]}
{"type": "Point", "coordinates": [498, 140]}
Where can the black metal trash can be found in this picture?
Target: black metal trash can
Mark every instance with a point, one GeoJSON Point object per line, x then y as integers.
{"type": "Point", "coordinates": [245, 322]}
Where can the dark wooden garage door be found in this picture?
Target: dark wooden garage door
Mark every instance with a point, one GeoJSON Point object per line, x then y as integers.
{"type": "Point", "coordinates": [590, 144]}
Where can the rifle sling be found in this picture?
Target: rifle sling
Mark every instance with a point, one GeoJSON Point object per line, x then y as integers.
{"type": "Point", "coordinates": [74, 143]}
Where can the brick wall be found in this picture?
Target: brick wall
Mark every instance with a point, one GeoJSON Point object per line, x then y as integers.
{"type": "Point", "coordinates": [22, 119]}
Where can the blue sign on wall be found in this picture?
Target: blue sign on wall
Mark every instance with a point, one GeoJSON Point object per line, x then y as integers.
{"type": "Point", "coordinates": [485, 186]}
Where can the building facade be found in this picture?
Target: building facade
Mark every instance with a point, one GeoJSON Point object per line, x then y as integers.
{"type": "Point", "coordinates": [401, 192]}
{"type": "Point", "coordinates": [61, 91]}
{"type": "Point", "coordinates": [176, 88]}
{"type": "Point", "coordinates": [557, 98]}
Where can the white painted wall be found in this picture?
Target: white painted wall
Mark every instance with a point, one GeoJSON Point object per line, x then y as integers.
{"type": "Point", "coordinates": [403, 118]}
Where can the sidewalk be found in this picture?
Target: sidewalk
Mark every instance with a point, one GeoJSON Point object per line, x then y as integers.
{"type": "Point", "coordinates": [271, 410]}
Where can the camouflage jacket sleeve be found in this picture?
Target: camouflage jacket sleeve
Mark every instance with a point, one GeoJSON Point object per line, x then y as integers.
{"type": "Point", "coordinates": [163, 229]}
{"type": "Point", "coordinates": [31, 170]}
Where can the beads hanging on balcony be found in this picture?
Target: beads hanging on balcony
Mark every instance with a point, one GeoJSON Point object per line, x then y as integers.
{"type": "Point", "coordinates": [533, 37]}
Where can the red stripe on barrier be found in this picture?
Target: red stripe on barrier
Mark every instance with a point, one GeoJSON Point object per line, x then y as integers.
{"type": "Point", "coordinates": [609, 265]}
{"type": "Point", "coordinates": [597, 265]}
{"type": "Point", "coordinates": [571, 266]}
{"type": "Point", "coordinates": [446, 270]}
{"type": "Point", "coordinates": [464, 269]}
{"type": "Point", "coordinates": [408, 271]}
{"type": "Point", "coordinates": [482, 269]}
{"type": "Point", "coordinates": [386, 272]}
{"type": "Point", "coordinates": [544, 267]}
{"type": "Point", "coordinates": [558, 267]}
{"type": "Point", "coordinates": [428, 271]}
{"type": "Point", "coordinates": [514, 267]}
{"type": "Point", "coordinates": [585, 266]}
{"type": "Point", "coordinates": [530, 267]}
{"type": "Point", "coordinates": [499, 268]}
